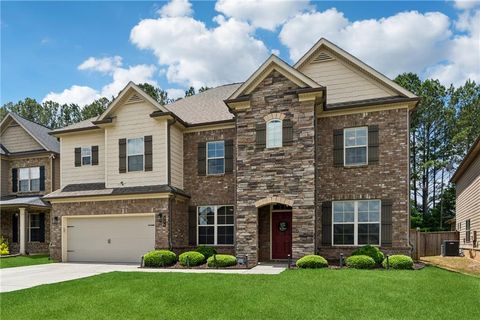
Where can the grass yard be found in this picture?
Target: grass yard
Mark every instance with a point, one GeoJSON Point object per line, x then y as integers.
{"type": "Point", "coordinates": [430, 293]}
{"type": "Point", "coordinates": [21, 261]}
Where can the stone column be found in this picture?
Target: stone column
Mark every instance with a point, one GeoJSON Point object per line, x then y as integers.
{"type": "Point", "coordinates": [22, 238]}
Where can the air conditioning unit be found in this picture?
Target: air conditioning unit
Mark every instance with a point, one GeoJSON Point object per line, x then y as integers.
{"type": "Point", "coordinates": [451, 248]}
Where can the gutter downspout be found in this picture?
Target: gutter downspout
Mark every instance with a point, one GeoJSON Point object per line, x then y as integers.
{"type": "Point", "coordinates": [169, 181]}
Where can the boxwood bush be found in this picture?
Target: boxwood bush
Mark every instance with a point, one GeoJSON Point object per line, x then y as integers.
{"type": "Point", "coordinates": [206, 251]}
{"type": "Point", "coordinates": [312, 262]}
{"type": "Point", "coordinates": [399, 261]}
{"type": "Point", "coordinates": [221, 261]}
{"type": "Point", "coordinates": [360, 262]}
{"type": "Point", "coordinates": [194, 258]}
{"type": "Point", "coordinates": [371, 251]}
{"type": "Point", "coordinates": [159, 258]}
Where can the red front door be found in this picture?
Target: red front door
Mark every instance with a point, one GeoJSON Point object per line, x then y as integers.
{"type": "Point", "coordinates": [281, 235]}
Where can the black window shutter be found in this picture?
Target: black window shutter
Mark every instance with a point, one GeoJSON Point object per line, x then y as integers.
{"type": "Point", "coordinates": [41, 235]}
{"type": "Point", "coordinates": [192, 225]}
{"type": "Point", "coordinates": [373, 144]}
{"type": "Point", "coordinates": [78, 157]}
{"type": "Point", "coordinates": [202, 158]}
{"type": "Point", "coordinates": [14, 180]}
{"type": "Point", "coordinates": [287, 134]}
{"type": "Point", "coordinates": [94, 155]}
{"type": "Point", "coordinates": [338, 147]}
{"type": "Point", "coordinates": [122, 155]}
{"type": "Point", "coordinates": [228, 156]}
{"type": "Point", "coordinates": [387, 223]}
{"type": "Point", "coordinates": [261, 135]}
{"type": "Point", "coordinates": [327, 223]}
{"type": "Point", "coordinates": [42, 178]}
{"type": "Point", "coordinates": [147, 141]}
{"type": "Point", "coordinates": [15, 228]}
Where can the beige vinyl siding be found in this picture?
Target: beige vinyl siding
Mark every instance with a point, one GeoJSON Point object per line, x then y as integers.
{"type": "Point", "coordinates": [343, 81]}
{"type": "Point", "coordinates": [16, 139]}
{"type": "Point", "coordinates": [468, 201]}
{"type": "Point", "coordinates": [176, 153]}
{"type": "Point", "coordinates": [56, 173]}
{"type": "Point", "coordinates": [83, 174]}
{"type": "Point", "coordinates": [5, 175]}
{"type": "Point", "coordinates": [134, 121]}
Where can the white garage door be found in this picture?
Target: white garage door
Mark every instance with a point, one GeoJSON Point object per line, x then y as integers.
{"type": "Point", "coordinates": [110, 239]}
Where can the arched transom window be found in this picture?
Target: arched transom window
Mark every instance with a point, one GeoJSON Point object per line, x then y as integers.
{"type": "Point", "coordinates": [274, 133]}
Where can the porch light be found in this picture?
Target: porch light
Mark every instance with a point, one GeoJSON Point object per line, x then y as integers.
{"type": "Point", "coordinates": [55, 220]}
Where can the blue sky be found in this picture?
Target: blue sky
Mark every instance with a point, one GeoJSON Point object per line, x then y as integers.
{"type": "Point", "coordinates": [78, 51]}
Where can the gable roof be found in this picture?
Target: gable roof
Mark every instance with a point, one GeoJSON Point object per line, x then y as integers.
{"type": "Point", "coordinates": [274, 63]}
{"type": "Point", "coordinates": [206, 106]}
{"type": "Point", "coordinates": [472, 153]}
{"type": "Point", "coordinates": [324, 43]}
{"type": "Point", "coordinates": [36, 131]}
{"type": "Point", "coordinates": [129, 88]}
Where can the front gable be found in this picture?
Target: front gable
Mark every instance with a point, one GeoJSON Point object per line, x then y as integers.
{"type": "Point", "coordinates": [15, 138]}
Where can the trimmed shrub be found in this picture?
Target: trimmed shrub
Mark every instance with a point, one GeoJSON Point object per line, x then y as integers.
{"type": "Point", "coordinates": [312, 262]}
{"type": "Point", "coordinates": [159, 258]}
{"type": "Point", "coordinates": [221, 261]}
{"type": "Point", "coordinates": [371, 251]}
{"type": "Point", "coordinates": [399, 261]}
{"type": "Point", "coordinates": [360, 262]}
{"type": "Point", "coordinates": [194, 258]}
{"type": "Point", "coordinates": [4, 247]}
{"type": "Point", "coordinates": [206, 251]}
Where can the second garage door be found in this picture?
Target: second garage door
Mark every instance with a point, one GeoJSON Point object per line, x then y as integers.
{"type": "Point", "coordinates": [109, 239]}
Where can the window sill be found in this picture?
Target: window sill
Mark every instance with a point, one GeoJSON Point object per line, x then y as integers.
{"type": "Point", "coordinates": [356, 166]}
{"type": "Point", "coordinates": [217, 245]}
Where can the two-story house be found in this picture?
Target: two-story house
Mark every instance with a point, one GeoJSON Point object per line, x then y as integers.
{"type": "Point", "coordinates": [30, 168]}
{"type": "Point", "coordinates": [302, 159]}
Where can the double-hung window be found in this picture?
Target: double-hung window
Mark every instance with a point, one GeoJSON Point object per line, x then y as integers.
{"type": "Point", "coordinates": [355, 146]}
{"type": "Point", "coordinates": [135, 154]}
{"type": "Point", "coordinates": [356, 222]}
{"type": "Point", "coordinates": [215, 157]}
{"type": "Point", "coordinates": [34, 227]}
{"type": "Point", "coordinates": [29, 179]}
{"type": "Point", "coordinates": [274, 133]}
{"type": "Point", "coordinates": [215, 225]}
{"type": "Point", "coordinates": [86, 156]}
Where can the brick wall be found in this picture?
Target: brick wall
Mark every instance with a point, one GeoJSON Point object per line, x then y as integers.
{"type": "Point", "coordinates": [31, 162]}
{"type": "Point", "coordinates": [287, 172]}
{"type": "Point", "coordinates": [386, 180]}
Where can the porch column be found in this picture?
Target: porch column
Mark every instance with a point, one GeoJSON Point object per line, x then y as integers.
{"type": "Point", "coordinates": [22, 238]}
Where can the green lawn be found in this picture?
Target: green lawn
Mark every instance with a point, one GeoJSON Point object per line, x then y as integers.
{"type": "Point", "coordinates": [430, 293]}
{"type": "Point", "coordinates": [21, 261]}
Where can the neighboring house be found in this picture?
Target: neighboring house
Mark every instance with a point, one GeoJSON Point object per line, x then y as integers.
{"type": "Point", "coordinates": [302, 159]}
{"type": "Point", "coordinates": [467, 187]}
{"type": "Point", "coordinates": [30, 168]}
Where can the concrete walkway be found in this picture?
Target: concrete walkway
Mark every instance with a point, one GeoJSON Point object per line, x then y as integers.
{"type": "Point", "coordinates": [12, 279]}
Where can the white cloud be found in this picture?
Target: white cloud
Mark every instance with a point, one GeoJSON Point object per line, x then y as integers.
{"type": "Point", "coordinates": [104, 65]}
{"type": "Point", "coordinates": [406, 41]}
{"type": "Point", "coordinates": [175, 93]}
{"type": "Point", "coordinates": [466, 4]}
{"type": "Point", "coordinates": [265, 14]}
{"type": "Point", "coordinates": [83, 95]}
{"type": "Point", "coordinates": [176, 8]}
{"type": "Point", "coordinates": [80, 95]}
{"type": "Point", "coordinates": [195, 55]}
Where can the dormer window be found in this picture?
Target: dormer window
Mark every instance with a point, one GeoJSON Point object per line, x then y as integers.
{"type": "Point", "coordinates": [274, 133]}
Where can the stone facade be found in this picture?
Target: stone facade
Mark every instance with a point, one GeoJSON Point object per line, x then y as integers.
{"type": "Point", "coordinates": [286, 172]}
{"type": "Point", "coordinates": [386, 180]}
{"type": "Point", "coordinates": [158, 206]}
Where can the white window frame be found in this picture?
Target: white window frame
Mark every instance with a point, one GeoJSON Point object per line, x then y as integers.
{"type": "Point", "coordinates": [356, 146]}
{"type": "Point", "coordinates": [356, 223]}
{"type": "Point", "coordinates": [136, 154]}
{"type": "Point", "coordinates": [215, 225]}
{"type": "Point", "coordinates": [30, 228]}
{"type": "Point", "coordinates": [215, 158]}
{"type": "Point", "coordinates": [83, 155]}
{"type": "Point", "coordinates": [268, 133]}
{"type": "Point", "coordinates": [30, 169]}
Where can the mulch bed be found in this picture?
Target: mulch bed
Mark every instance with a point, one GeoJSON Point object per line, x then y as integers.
{"type": "Point", "coordinates": [203, 266]}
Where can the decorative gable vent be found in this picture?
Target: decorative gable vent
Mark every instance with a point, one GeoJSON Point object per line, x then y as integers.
{"type": "Point", "coordinates": [134, 98]}
{"type": "Point", "coordinates": [322, 57]}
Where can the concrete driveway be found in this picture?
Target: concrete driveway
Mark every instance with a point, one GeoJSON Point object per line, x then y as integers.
{"type": "Point", "coordinates": [12, 279]}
